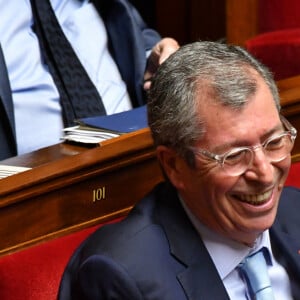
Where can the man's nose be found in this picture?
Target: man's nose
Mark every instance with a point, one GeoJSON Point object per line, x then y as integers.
{"type": "Point", "coordinates": [261, 168]}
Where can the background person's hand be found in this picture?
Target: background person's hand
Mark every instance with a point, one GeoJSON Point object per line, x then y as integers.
{"type": "Point", "coordinates": [160, 52]}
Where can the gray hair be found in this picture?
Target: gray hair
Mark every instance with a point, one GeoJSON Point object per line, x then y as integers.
{"type": "Point", "coordinates": [218, 72]}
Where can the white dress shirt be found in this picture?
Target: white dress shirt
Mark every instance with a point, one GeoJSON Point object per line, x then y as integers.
{"type": "Point", "coordinates": [36, 100]}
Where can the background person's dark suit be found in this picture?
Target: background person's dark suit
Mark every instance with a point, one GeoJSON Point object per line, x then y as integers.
{"type": "Point", "coordinates": [157, 254]}
{"type": "Point", "coordinates": [129, 39]}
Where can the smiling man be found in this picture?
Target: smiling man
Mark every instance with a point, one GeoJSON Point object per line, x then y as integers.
{"type": "Point", "coordinates": [214, 114]}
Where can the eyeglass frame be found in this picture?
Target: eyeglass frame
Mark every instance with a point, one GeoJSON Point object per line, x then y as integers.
{"type": "Point", "coordinates": [221, 158]}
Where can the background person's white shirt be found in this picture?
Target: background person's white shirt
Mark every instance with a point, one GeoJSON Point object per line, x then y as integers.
{"type": "Point", "coordinates": [38, 115]}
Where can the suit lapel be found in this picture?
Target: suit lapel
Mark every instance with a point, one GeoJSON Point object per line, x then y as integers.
{"type": "Point", "coordinates": [285, 236]}
{"type": "Point", "coordinates": [285, 233]}
{"type": "Point", "coordinates": [5, 92]}
{"type": "Point", "coordinates": [200, 273]}
{"type": "Point", "coordinates": [288, 244]}
{"type": "Point", "coordinates": [286, 251]}
{"type": "Point", "coordinates": [126, 43]}
{"type": "Point", "coordinates": [7, 123]}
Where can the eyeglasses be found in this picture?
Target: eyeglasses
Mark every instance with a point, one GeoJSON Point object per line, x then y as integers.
{"type": "Point", "coordinates": [237, 160]}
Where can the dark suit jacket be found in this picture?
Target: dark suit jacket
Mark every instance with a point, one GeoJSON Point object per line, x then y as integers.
{"type": "Point", "coordinates": [129, 38]}
{"type": "Point", "coordinates": [156, 253]}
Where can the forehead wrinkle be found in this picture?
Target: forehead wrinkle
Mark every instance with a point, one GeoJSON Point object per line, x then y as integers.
{"type": "Point", "coordinates": [244, 142]}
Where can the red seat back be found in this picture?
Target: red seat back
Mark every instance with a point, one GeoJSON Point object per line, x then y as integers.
{"type": "Point", "coordinates": [278, 14]}
{"type": "Point", "coordinates": [35, 273]}
{"type": "Point", "coordinates": [294, 175]}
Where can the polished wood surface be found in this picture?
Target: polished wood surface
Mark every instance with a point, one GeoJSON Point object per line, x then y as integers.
{"type": "Point", "coordinates": [241, 21]}
{"type": "Point", "coordinates": [289, 89]}
{"type": "Point", "coordinates": [71, 187]}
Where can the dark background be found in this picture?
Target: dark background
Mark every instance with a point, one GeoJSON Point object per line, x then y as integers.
{"type": "Point", "coordinates": [185, 20]}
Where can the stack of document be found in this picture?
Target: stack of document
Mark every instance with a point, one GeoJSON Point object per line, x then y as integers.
{"type": "Point", "coordinates": [95, 130]}
{"type": "Point", "coordinates": [6, 171]}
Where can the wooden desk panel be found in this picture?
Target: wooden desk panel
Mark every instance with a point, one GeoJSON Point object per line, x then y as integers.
{"type": "Point", "coordinates": [241, 21]}
{"type": "Point", "coordinates": [71, 187]}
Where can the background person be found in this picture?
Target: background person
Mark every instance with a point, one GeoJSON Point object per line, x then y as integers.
{"type": "Point", "coordinates": [32, 115]}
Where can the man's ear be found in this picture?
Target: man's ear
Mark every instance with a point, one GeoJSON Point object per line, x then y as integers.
{"type": "Point", "coordinates": [172, 164]}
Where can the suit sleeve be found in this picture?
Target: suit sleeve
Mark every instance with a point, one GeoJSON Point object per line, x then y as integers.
{"type": "Point", "coordinates": [151, 37]}
{"type": "Point", "coordinates": [100, 278]}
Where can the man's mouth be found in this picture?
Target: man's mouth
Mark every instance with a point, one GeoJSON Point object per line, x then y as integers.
{"type": "Point", "coordinates": [255, 199]}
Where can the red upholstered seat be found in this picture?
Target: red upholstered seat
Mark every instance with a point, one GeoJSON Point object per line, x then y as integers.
{"type": "Point", "coordinates": [278, 42]}
{"type": "Point", "coordinates": [278, 14]}
{"type": "Point", "coordinates": [35, 273]}
{"type": "Point", "coordinates": [269, 29]}
{"type": "Point", "coordinates": [280, 50]}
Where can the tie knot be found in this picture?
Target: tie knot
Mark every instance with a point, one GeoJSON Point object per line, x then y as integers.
{"type": "Point", "coordinates": [254, 271]}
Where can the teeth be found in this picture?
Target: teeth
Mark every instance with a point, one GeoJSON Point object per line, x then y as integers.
{"type": "Point", "coordinates": [255, 199]}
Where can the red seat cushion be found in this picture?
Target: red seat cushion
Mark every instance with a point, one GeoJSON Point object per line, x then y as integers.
{"type": "Point", "coordinates": [279, 50]}
{"type": "Point", "coordinates": [294, 175]}
{"type": "Point", "coordinates": [278, 14]}
{"type": "Point", "coordinates": [35, 273]}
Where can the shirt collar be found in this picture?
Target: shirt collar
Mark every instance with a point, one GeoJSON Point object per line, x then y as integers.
{"type": "Point", "coordinates": [219, 246]}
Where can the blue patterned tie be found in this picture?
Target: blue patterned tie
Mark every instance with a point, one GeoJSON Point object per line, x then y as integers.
{"type": "Point", "coordinates": [254, 270]}
{"type": "Point", "coordinates": [78, 94]}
